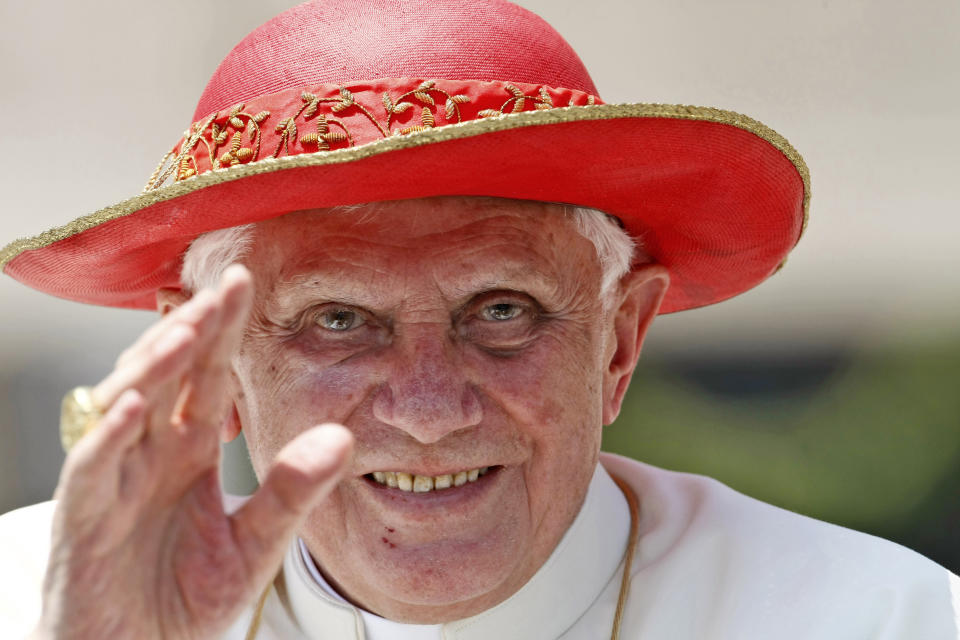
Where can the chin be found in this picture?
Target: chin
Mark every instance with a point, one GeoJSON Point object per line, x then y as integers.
{"type": "Point", "coordinates": [444, 580]}
{"type": "Point", "coordinates": [458, 571]}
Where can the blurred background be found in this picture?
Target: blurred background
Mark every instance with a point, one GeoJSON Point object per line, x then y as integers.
{"type": "Point", "coordinates": [833, 389]}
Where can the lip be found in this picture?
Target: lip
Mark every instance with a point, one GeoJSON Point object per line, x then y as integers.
{"type": "Point", "coordinates": [427, 504]}
{"type": "Point", "coordinates": [425, 471]}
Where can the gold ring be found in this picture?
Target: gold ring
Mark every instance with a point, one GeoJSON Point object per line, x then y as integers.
{"type": "Point", "coordinates": [79, 416]}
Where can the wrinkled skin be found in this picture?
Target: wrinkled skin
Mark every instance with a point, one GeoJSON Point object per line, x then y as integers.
{"type": "Point", "coordinates": [445, 334]}
{"type": "Point", "coordinates": [141, 547]}
{"type": "Point", "coordinates": [429, 383]}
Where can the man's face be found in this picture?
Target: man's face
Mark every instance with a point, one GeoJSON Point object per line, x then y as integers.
{"type": "Point", "coordinates": [449, 335]}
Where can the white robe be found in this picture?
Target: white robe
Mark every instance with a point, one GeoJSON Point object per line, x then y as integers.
{"type": "Point", "coordinates": [709, 563]}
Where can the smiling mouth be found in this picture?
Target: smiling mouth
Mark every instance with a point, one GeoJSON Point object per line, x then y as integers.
{"type": "Point", "coordinates": [423, 484]}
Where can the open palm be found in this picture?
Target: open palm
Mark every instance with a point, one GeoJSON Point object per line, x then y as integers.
{"type": "Point", "coordinates": [142, 546]}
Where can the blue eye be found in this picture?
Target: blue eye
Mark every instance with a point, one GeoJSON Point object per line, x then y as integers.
{"type": "Point", "coordinates": [501, 312]}
{"type": "Point", "coordinates": [339, 319]}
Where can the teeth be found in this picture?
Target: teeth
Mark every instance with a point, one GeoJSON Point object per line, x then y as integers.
{"type": "Point", "coordinates": [423, 484]}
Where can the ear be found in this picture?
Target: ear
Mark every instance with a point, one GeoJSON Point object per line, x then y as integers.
{"type": "Point", "coordinates": [170, 299]}
{"type": "Point", "coordinates": [641, 293]}
{"type": "Point", "coordinates": [167, 301]}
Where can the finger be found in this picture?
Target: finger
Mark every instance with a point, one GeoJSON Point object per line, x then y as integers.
{"type": "Point", "coordinates": [92, 468]}
{"type": "Point", "coordinates": [194, 312]}
{"type": "Point", "coordinates": [160, 353]}
{"type": "Point", "coordinates": [207, 380]}
{"type": "Point", "coordinates": [120, 428]}
{"type": "Point", "coordinates": [166, 360]}
{"type": "Point", "coordinates": [303, 474]}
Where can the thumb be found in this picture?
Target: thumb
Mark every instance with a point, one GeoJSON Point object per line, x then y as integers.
{"type": "Point", "coordinates": [305, 471]}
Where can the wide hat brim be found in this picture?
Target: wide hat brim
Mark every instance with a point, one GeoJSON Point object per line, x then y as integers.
{"type": "Point", "coordinates": [715, 196]}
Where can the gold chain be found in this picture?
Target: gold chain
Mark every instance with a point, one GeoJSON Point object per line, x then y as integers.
{"type": "Point", "coordinates": [628, 558]}
{"type": "Point", "coordinates": [258, 614]}
{"type": "Point", "coordinates": [624, 580]}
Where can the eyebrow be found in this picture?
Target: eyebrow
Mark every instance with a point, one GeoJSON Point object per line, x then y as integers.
{"type": "Point", "coordinates": [525, 281]}
{"type": "Point", "coordinates": [331, 284]}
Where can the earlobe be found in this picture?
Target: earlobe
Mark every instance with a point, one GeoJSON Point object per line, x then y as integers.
{"type": "Point", "coordinates": [642, 291]}
{"type": "Point", "coordinates": [231, 427]}
{"type": "Point", "coordinates": [169, 299]}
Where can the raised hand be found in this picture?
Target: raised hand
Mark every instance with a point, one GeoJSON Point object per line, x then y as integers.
{"type": "Point", "coordinates": [142, 547]}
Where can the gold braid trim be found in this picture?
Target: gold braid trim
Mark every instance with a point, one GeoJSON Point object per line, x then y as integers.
{"type": "Point", "coordinates": [258, 614]}
{"type": "Point", "coordinates": [416, 139]}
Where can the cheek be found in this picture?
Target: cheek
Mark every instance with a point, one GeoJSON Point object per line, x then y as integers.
{"type": "Point", "coordinates": [549, 395]}
{"type": "Point", "coordinates": [551, 388]}
{"type": "Point", "coordinates": [283, 394]}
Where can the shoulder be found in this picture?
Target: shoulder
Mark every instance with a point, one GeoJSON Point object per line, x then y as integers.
{"type": "Point", "coordinates": [24, 547]}
{"type": "Point", "coordinates": [752, 563]}
{"type": "Point", "coordinates": [27, 519]}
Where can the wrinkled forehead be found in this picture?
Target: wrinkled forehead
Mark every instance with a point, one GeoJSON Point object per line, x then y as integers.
{"type": "Point", "coordinates": [451, 225]}
{"type": "Point", "coordinates": [458, 240]}
{"type": "Point", "coordinates": [420, 217]}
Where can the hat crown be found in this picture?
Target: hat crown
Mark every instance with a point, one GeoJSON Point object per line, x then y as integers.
{"type": "Point", "coordinates": [341, 41]}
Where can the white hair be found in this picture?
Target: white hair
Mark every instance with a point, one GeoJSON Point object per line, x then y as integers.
{"type": "Point", "coordinates": [210, 254]}
{"type": "Point", "coordinates": [616, 250]}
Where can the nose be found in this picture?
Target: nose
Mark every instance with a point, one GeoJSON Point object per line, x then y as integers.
{"type": "Point", "coordinates": [426, 393]}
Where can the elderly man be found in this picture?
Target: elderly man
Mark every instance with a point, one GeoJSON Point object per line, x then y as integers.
{"type": "Point", "coordinates": [417, 277]}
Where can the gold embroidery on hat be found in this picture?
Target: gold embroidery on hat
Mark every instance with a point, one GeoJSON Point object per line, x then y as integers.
{"type": "Point", "coordinates": [343, 101]}
{"type": "Point", "coordinates": [323, 138]}
{"type": "Point", "coordinates": [518, 101]}
{"type": "Point", "coordinates": [191, 136]}
{"type": "Point", "coordinates": [451, 107]}
{"type": "Point", "coordinates": [156, 172]}
{"type": "Point", "coordinates": [242, 123]}
{"type": "Point", "coordinates": [461, 130]}
{"type": "Point", "coordinates": [181, 163]}
{"type": "Point", "coordinates": [229, 130]}
{"type": "Point", "coordinates": [212, 134]}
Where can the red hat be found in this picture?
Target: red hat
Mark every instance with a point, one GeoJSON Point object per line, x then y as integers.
{"type": "Point", "coordinates": [338, 102]}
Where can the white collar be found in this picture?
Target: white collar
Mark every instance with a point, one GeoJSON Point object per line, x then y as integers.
{"type": "Point", "coordinates": [376, 627]}
{"type": "Point", "coordinates": [585, 560]}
